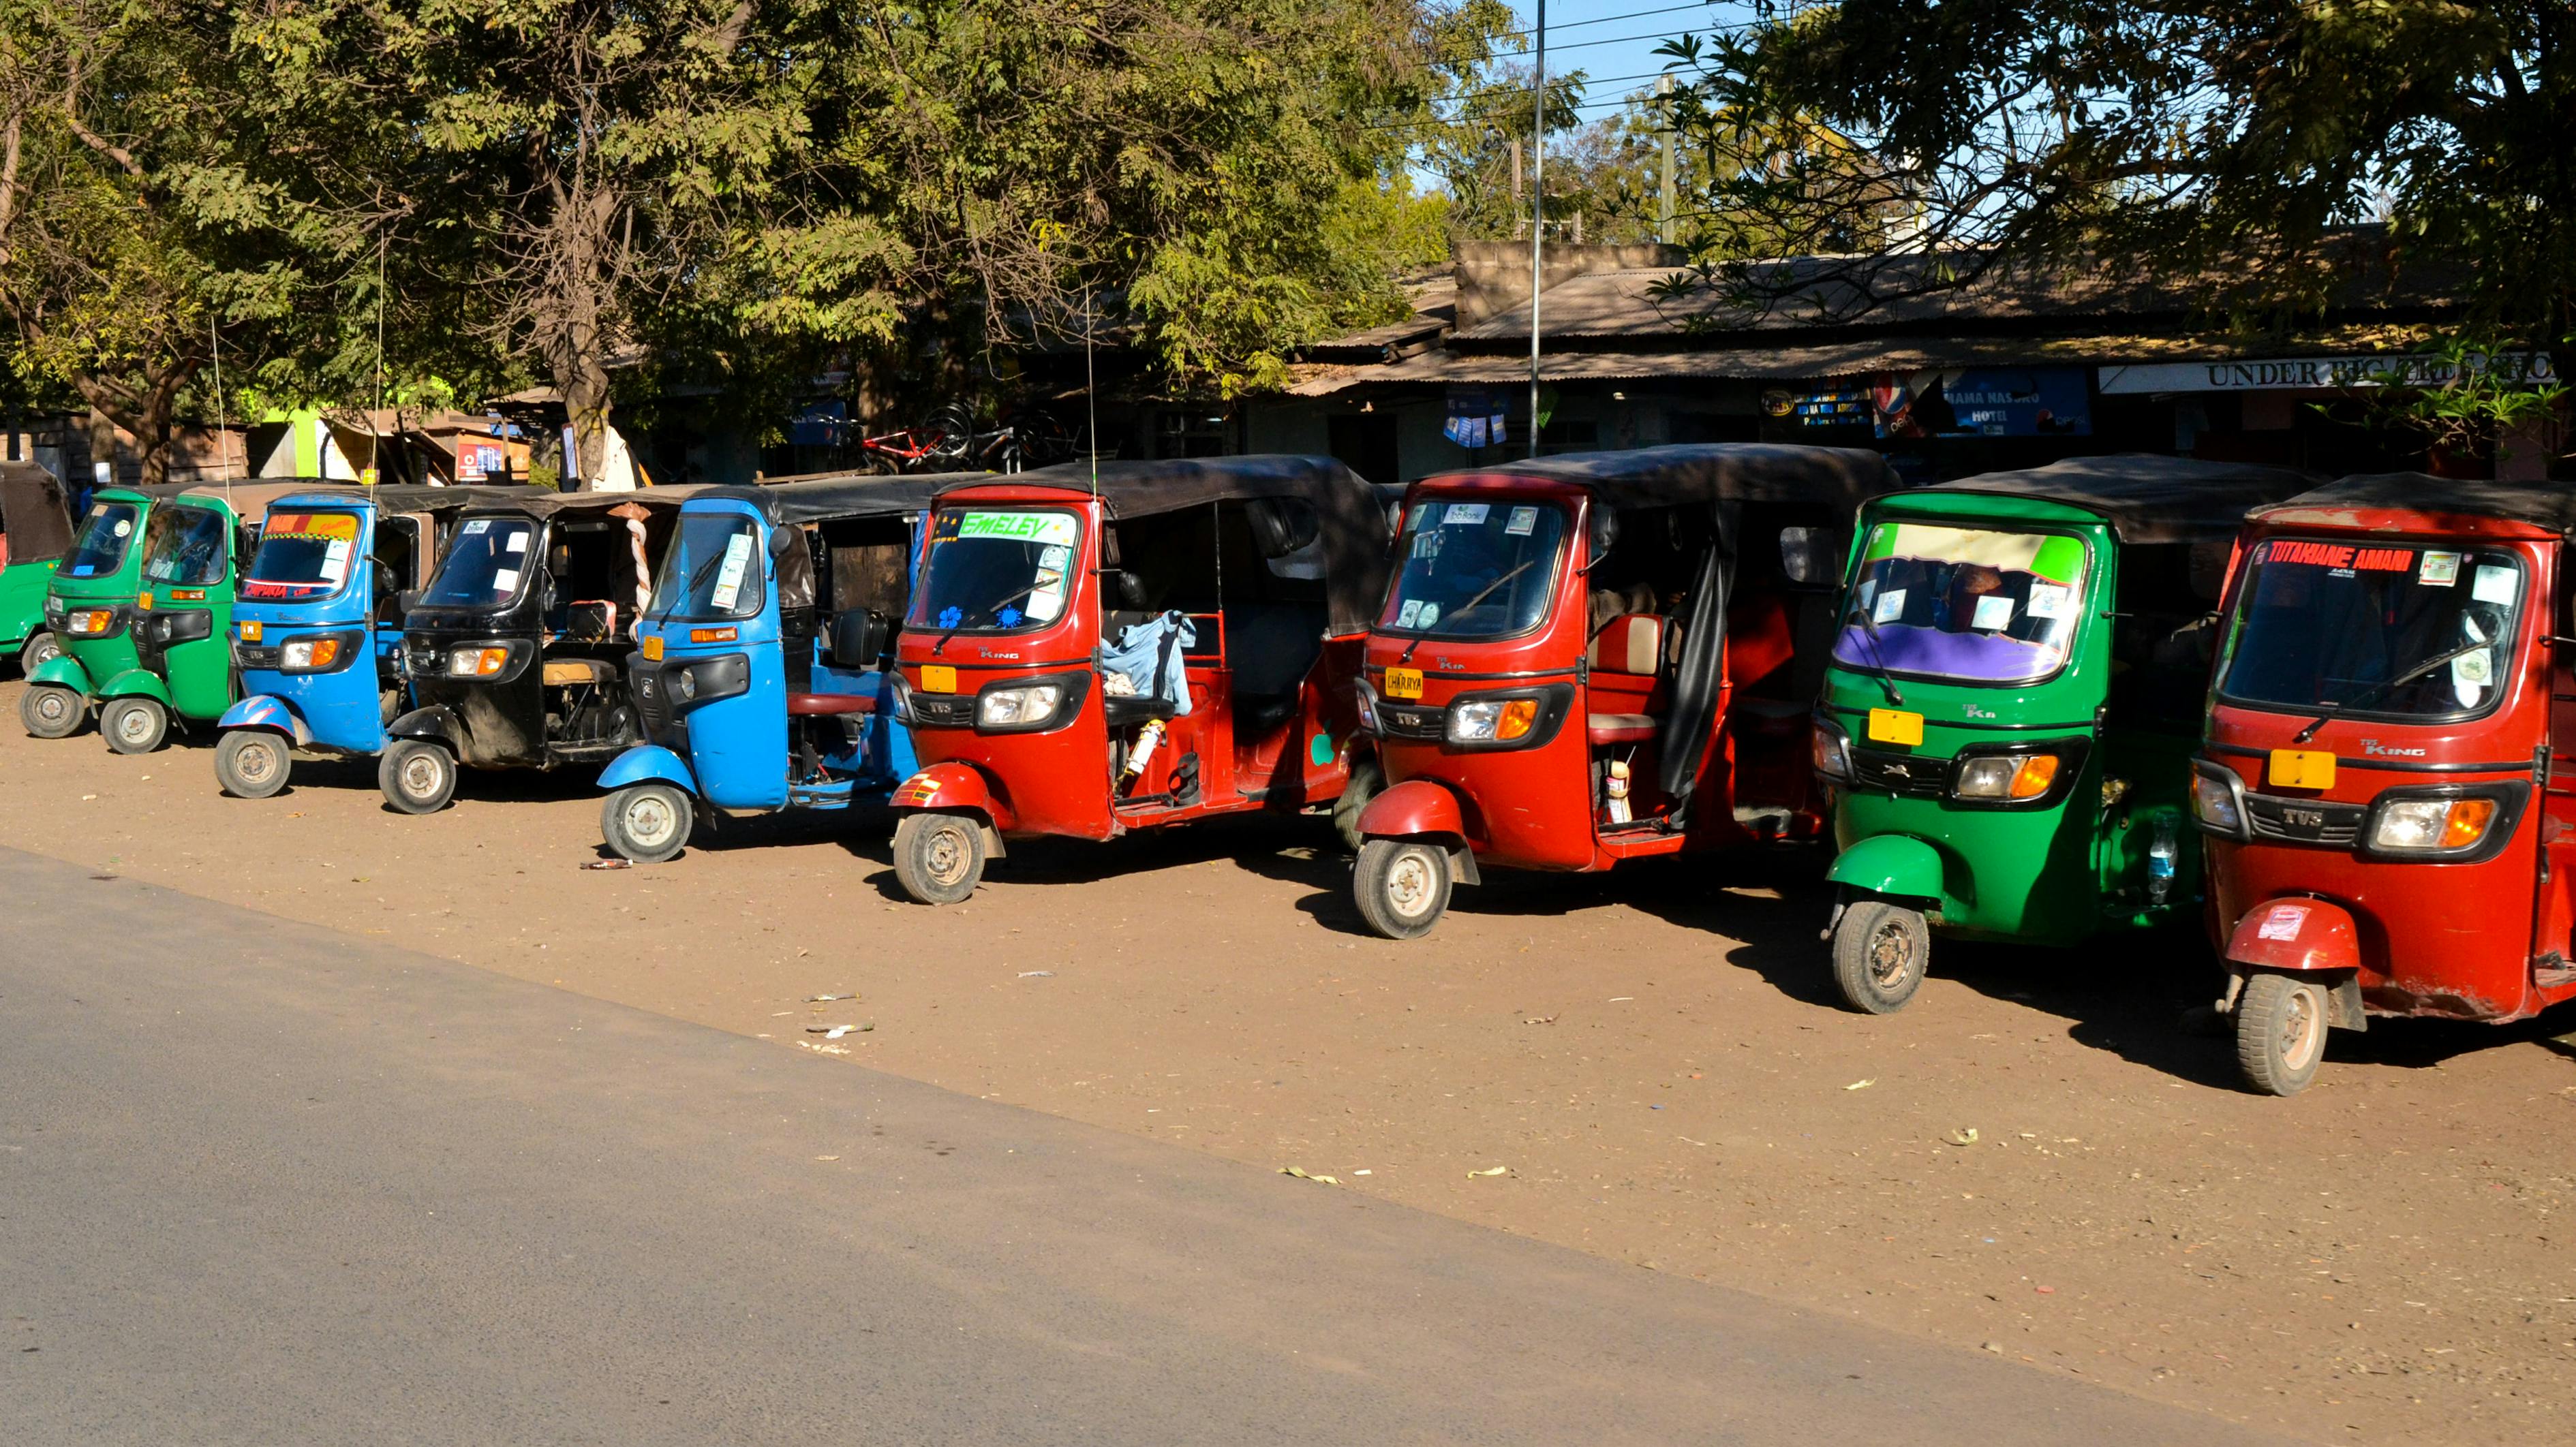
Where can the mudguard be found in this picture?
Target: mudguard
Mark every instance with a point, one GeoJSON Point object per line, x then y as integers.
{"type": "Point", "coordinates": [437, 723]}
{"type": "Point", "coordinates": [1897, 865]}
{"type": "Point", "coordinates": [62, 669]}
{"type": "Point", "coordinates": [137, 682]}
{"type": "Point", "coordinates": [956, 789]}
{"type": "Point", "coordinates": [1420, 809]}
{"type": "Point", "coordinates": [2302, 935]}
{"type": "Point", "coordinates": [647, 763]}
{"type": "Point", "coordinates": [260, 711]}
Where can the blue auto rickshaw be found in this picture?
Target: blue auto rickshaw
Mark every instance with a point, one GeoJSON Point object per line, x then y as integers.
{"type": "Point", "coordinates": [761, 677]}
{"type": "Point", "coordinates": [317, 627]}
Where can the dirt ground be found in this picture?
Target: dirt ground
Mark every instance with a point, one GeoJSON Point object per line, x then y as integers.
{"type": "Point", "coordinates": [1652, 1057]}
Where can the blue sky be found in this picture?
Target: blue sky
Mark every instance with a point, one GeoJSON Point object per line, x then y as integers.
{"type": "Point", "coordinates": [1614, 43]}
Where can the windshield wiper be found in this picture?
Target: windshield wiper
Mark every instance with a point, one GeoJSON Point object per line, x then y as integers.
{"type": "Point", "coordinates": [1886, 676]}
{"type": "Point", "coordinates": [690, 591]}
{"type": "Point", "coordinates": [996, 606]}
{"type": "Point", "coordinates": [2383, 686]}
{"type": "Point", "coordinates": [1481, 595]}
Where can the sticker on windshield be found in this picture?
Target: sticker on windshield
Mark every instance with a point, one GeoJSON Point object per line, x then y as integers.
{"type": "Point", "coordinates": [124, 526]}
{"type": "Point", "coordinates": [2049, 600]}
{"type": "Point", "coordinates": [2493, 584]}
{"type": "Point", "coordinates": [1410, 615]}
{"type": "Point", "coordinates": [1046, 598]}
{"type": "Point", "coordinates": [335, 561]}
{"type": "Point", "coordinates": [505, 581]}
{"type": "Point", "coordinates": [1430, 614]}
{"type": "Point", "coordinates": [1466, 514]}
{"type": "Point", "coordinates": [1523, 520]}
{"type": "Point", "coordinates": [1889, 607]}
{"type": "Point", "coordinates": [473, 526]}
{"type": "Point", "coordinates": [737, 556]}
{"type": "Point", "coordinates": [1056, 556]}
{"type": "Point", "coordinates": [2438, 570]}
{"type": "Point", "coordinates": [1994, 613]}
{"type": "Point", "coordinates": [1027, 527]}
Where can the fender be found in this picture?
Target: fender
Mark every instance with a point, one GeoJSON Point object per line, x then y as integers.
{"type": "Point", "coordinates": [1421, 809]}
{"type": "Point", "coordinates": [260, 711]}
{"type": "Point", "coordinates": [2302, 936]}
{"type": "Point", "coordinates": [957, 789]}
{"type": "Point", "coordinates": [436, 723]}
{"type": "Point", "coordinates": [646, 763]}
{"type": "Point", "coordinates": [134, 682]}
{"type": "Point", "coordinates": [1897, 865]}
{"type": "Point", "coordinates": [65, 670]}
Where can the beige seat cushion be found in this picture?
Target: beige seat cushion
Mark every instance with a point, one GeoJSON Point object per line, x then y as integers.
{"type": "Point", "coordinates": [579, 670]}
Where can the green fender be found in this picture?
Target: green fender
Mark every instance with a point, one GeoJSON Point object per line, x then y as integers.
{"type": "Point", "coordinates": [134, 681]}
{"type": "Point", "coordinates": [62, 669]}
{"type": "Point", "coordinates": [1899, 865]}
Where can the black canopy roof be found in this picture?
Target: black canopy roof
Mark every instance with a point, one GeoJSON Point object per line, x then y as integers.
{"type": "Point", "coordinates": [36, 513]}
{"type": "Point", "coordinates": [2549, 505]}
{"type": "Point", "coordinates": [833, 496]}
{"type": "Point", "coordinates": [2149, 499]}
{"type": "Point", "coordinates": [542, 503]}
{"type": "Point", "coordinates": [1839, 477]}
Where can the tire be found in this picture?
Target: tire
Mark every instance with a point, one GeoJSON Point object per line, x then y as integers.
{"type": "Point", "coordinates": [1880, 953]}
{"type": "Point", "coordinates": [134, 725]}
{"type": "Point", "coordinates": [1401, 887]}
{"type": "Point", "coordinates": [1366, 783]}
{"type": "Point", "coordinates": [51, 711]}
{"type": "Point", "coordinates": [252, 763]}
{"type": "Point", "coordinates": [417, 776]}
{"type": "Point", "coordinates": [648, 823]}
{"type": "Point", "coordinates": [939, 858]}
{"type": "Point", "coordinates": [39, 649]}
{"type": "Point", "coordinates": [2280, 1032]}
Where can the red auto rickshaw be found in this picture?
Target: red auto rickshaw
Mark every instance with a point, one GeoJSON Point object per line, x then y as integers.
{"type": "Point", "coordinates": [1598, 657]}
{"type": "Point", "coordinates": [2387, 831]}
{"type": "Point", "coordinates": [1091, 652]}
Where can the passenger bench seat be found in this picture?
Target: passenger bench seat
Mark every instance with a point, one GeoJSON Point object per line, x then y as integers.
{"type": "Point", "coordinates": [1630, 646]}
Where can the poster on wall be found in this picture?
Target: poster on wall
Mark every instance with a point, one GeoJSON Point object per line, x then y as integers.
{"type": "Point", "coordinates": [1984, 402]}
{"type": "Point", "coordinates": [1819, 406]}
{"type": "Point", "coordinates": [1475, 417]}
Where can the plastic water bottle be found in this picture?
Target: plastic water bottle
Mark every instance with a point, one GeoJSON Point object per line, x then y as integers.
{"type": "Point", "coordinates": [2160, 860]}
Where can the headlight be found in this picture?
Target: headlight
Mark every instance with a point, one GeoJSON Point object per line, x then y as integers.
{"type": "Point", "coordinates": [2213, 802]}
{"type": "Point", "coordinates": [2006, 776]}
{"type": "Point", "coordinates": [1005, 708]}
{"type": "Point", "coordinates": [1368, 704]}
{"type": "Point", "coordinates": [902, 698]}
{"type": "Point", "coordinates": [477, 662]}
{"type": "Point", "coordinates": [2440, 824]}
{"type": "Point", "coordinates": [1830, 748]}
{"type": "Point", "coordinates": [88, 621]}
{"type": "Point", "coordinates": [684, 685]}
{"type": "Point", "coordinates": [1492, 720]}
{"type": "Point", "coordinates": [313, 654]}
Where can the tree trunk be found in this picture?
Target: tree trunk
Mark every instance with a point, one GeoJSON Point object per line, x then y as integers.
{"type": "Point", "coordinates": [102, 441]}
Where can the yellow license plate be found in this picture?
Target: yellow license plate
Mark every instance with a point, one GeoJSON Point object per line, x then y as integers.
{"type": "Point", "coordinates": [653, 647]}
{"type": "Point", "coordinates": [250, 630]}
{"type": "Point", "coordinates": [1894, 726]}
{"type": "Point", "coordinates": [938, 678]}
{"type": "Point", "coordinates": [1404, 683]}
{"type": "Point", "coordinates": [2302, 769]}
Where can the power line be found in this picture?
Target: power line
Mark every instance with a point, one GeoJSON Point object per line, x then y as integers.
{"type": "Point", "coordinates": [1606, 20]}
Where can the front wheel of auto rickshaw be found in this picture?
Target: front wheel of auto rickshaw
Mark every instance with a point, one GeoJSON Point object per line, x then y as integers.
{"type": "Point", "coordinates": [40, 649]}
{"type": "Point", "coordinates": [51, 711]}
{"type": "Point", "coordinates": [2280, 1032]}
{"type": "Point", "coordinates": [647, 823]}
{"type": "Point", "coordinates": [938, 858]}
{"type": "Point", "coordinates": [417, 776]}
{"type": "Point", "coordinates": [1880, 951]}
{"type": "Point", "coordinates": [134, 725]}
{"type": "Point", "coordinates": [1401, 887]}
{"type": "Point", "coordinates": [251, 763]}
{"type": "Point", "coordinates": [1366, 782]}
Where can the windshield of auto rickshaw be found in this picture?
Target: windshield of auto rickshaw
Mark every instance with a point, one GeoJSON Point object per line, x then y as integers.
{"type": "Point", "coordinates": [996, 569]}
{"type": "Point", "coordinates": [104, 536]}
{"type": "Point", "coordinates": [303, 555]}
{"type": "Point", "coordinates": [184, 547]}
{"type": "Point", "coordinates": [711, 571]}
{"type": "Point", "coordinates": [2403, 631]}
{"type": "Point", "coordinates": [485, 565]}
{"type": "Point", "coordinates": [1474, 569]}
{"type": "Point", "coordinates": [1963, 605]}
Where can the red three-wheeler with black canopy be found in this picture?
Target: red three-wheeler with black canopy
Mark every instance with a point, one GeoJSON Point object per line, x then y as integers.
{"type": "Point", "coordinates": [1597, 657]}
{"type": "Point", "coordinates": [2389, 830]}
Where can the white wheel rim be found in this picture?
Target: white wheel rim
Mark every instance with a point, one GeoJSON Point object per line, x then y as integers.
{"type": "Point", "coordinates": [53, 706]}
{"type": "Point", "coordinates": [945, 858]}
{"type": "Point", "coordinates": [1409, 885]}
{"type": "Point", "coordinates": [650, 820]}
{"type": "Point", "coordinates": [255, 762]}
{"type": "Point", "coordinates": [419, 776]}
{"type": "Point", "coordinates": [134, 725]}
{"type": "Point", "coordinates": [2302, 1028]}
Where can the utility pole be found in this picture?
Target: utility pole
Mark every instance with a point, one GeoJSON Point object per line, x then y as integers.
{"type": "Point", "coordinates": [1664, 206]}
{"type": "Point", "coordinates": [1538, 207]}
{"type": "Point", "coordinates": [1516, 173]}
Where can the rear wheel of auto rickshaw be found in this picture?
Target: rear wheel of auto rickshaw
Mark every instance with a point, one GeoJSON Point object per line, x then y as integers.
{"type": "Point", "coordinates": [1366, 780]}
{"type": "Point", "coordinates": [51, 711]}
{"type": "Point", "coordinates": [417, 776]}
{"type": "Point", "coordinates": [251, 763]}
{"type": "Point", "coordinates": [1401, 887]}
{"type": "Point", "coordinates": [40, 649]}
{"type": "Point", "coordinates": [938, 858]}
{"type": "Point", "coordinates": [134, 725]}
{"type": "Point", "coordinates": [647, 823]}
{"type": "Point", "coordinates": [1880, 951]}
{"type": "Point", "coordinates": [2280, 1032]}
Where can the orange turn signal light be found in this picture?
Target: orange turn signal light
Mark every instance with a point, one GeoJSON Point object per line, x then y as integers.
{"type": "Point", "coordinates": [96, 621]}
{"type": "Point", "coordinates": [2033, 778]}
{"type": "Point", "coordinates": [2467, 822]}
{"type": "Point", "coordinates": [713, 635]}
{"type": "Point", "coordinates": [1518, 716]}
{"type": "Point", "coordinates": [326, 651]}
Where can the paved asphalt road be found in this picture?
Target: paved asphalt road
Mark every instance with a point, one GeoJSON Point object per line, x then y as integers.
{"type": "Point", "coordinates": [264, 1184]}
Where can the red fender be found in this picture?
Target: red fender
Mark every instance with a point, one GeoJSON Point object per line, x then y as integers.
{"type": "Point", "coordinates": [1420, 809]}
{"type": "Point", "coordinates": [2296, 934]}
{"type": "Point", "coordinates": [955, 789]}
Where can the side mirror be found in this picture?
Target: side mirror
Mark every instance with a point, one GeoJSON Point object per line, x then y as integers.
{"type": "Point", "coordinates": [386, 583]}
{"type": "Point", "coordinates": [546, 591]}
{"type": "Point", "coordinates": [860, 638]}
{"type": "Point", "coordinates": [1601, 533]}
{"type": "Point", "coordinates": [1809, 557]}
{"type": "Point", "coordinates": [783, 541]}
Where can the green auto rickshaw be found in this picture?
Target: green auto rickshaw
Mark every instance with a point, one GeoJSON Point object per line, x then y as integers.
{"type": "Point", "coordinates": [143, 610]}
{"type": "Point", "coordinates": [35, 532]}
{"type": "Point", "coordinates": [2010, 706]}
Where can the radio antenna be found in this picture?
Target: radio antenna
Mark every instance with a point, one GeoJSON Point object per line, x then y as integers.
{"type": "Point", "coordinates": [223, 435]}
{"type": "Point", "coordinates": [1090, 395]}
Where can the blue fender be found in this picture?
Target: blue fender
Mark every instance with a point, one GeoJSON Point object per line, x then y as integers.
{"type": "Point", "coordinates": [647, 763]}
{"type": "Point", "coordinates": [1897, 865]}
{"type": "Point", "coordinates": [63, 670]}
{"type": "Point", "coordinates": [137, 682]}
{"type": "Point", "coordinates": [260, 711]}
